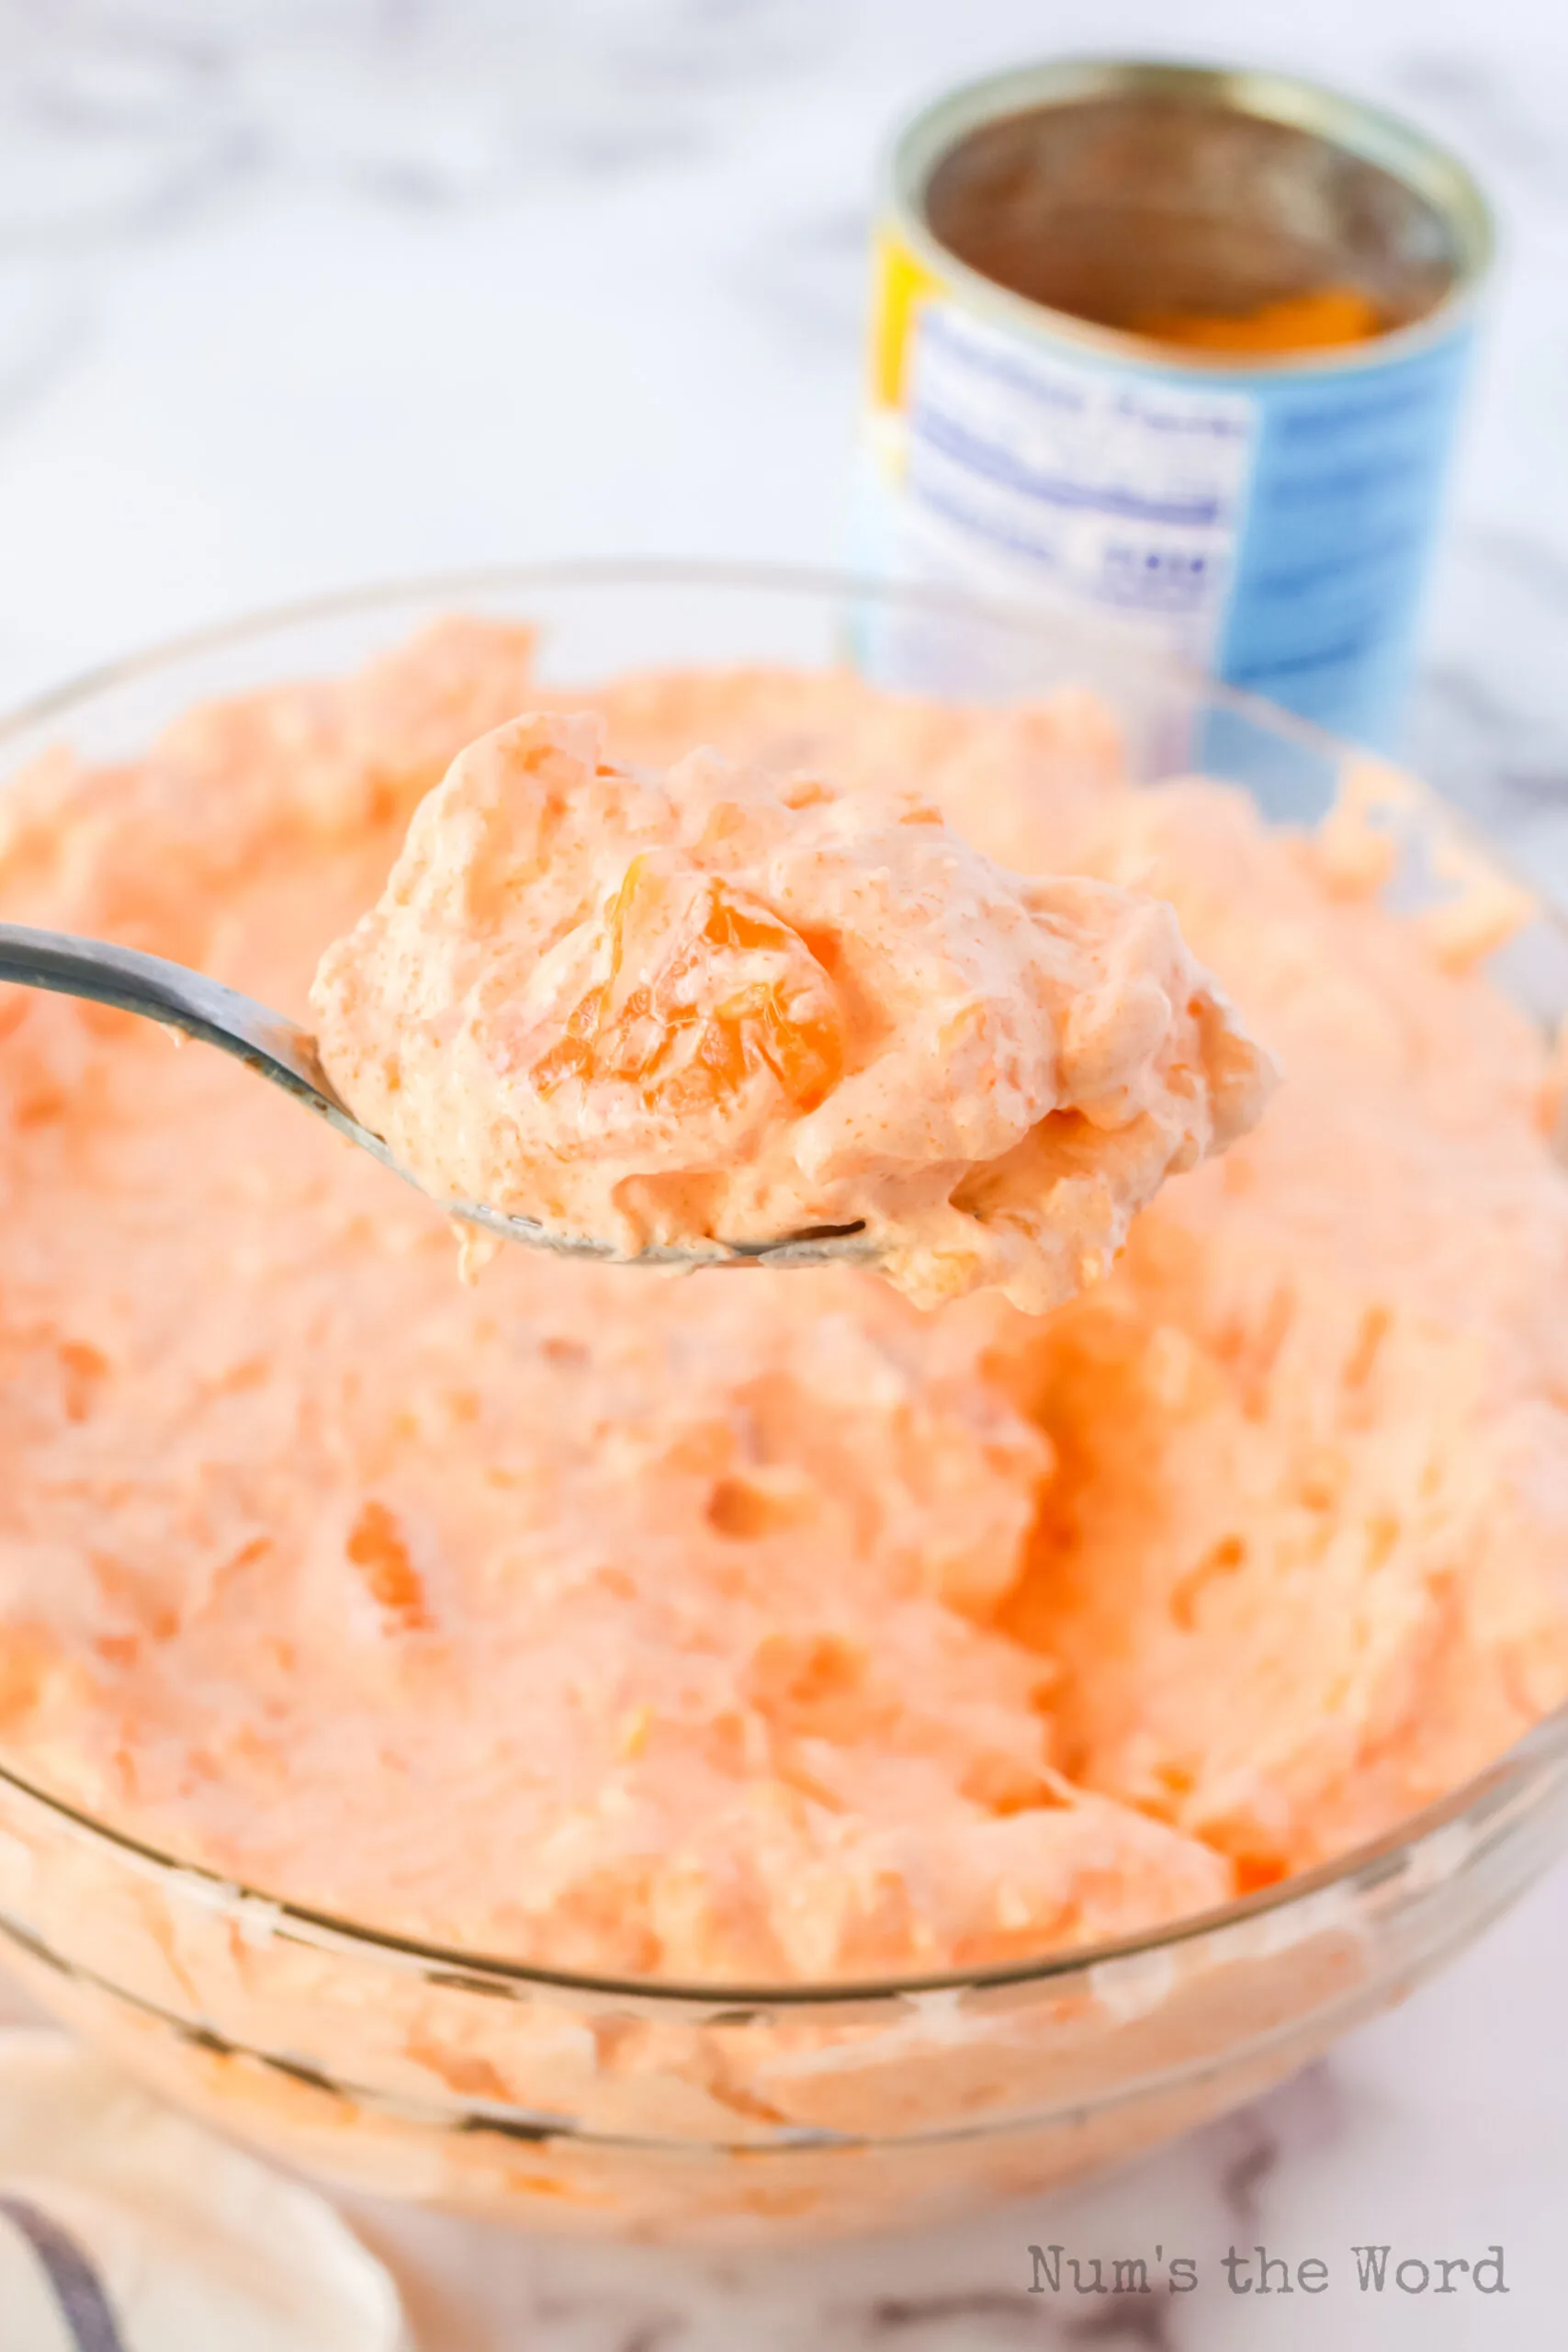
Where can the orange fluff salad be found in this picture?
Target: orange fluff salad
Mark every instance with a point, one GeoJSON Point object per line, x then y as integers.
{"type": "Point", "coordinates": [712, 1005]}
{"type": "Point", "coordinates": [769, 1627]}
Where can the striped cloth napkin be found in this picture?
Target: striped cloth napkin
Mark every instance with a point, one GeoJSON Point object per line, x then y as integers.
{"type": "Point", "coordinates": [123, 2228]}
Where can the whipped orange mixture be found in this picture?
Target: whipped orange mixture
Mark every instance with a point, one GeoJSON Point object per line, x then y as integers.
{"type": "Point", "coordinates": [763, 1627]}
{"type": "Point", "coordinates": [716, 1006]}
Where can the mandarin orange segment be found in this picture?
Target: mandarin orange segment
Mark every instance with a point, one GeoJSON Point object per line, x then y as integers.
{"type": "Point", "coordinates": [704, 987]}
{"type": "Point", "coordinates": [376, 1544]}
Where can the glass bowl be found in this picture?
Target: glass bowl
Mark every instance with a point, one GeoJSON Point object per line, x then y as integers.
{"type": "Point", "coordinates": [745, 2112]}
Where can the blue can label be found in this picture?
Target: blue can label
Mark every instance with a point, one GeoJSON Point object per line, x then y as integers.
{"type": "Point", "coordinates": [1271, 525]}
{"type": "Point", "coordinates": [1340, 519]}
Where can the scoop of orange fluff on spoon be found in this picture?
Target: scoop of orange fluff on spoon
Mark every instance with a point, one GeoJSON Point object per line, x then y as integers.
{"type": "Point", "coordinates": [714, 1007]}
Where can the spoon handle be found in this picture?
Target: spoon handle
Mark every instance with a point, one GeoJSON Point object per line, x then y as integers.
{"type": "Point", "coordinates": [178, 997]}
{"type": "Point", "coordinates": [175, 996]}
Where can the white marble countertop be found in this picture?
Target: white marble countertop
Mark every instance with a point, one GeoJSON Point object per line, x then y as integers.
{"type": "Point", "coordinates": [295, 293]}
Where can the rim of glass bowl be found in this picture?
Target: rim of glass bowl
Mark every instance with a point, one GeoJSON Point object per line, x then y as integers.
{"type": "Point", "coordinates": [1364, 1867]}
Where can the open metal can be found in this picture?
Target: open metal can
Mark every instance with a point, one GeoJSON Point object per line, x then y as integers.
{"type": "Point", "coordinates": [1183, 343]}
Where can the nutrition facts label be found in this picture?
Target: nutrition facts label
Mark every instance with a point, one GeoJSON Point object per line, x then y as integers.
{"type": "Point", "coordinates": [1025, 470]}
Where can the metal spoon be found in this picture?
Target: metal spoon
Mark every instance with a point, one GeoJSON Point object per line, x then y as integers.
{"type": "Point", "coordinates": [180, 999]}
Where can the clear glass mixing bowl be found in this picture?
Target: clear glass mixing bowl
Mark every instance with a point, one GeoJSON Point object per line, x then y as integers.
{"type": "Point", "coordinates": [744, 2112]}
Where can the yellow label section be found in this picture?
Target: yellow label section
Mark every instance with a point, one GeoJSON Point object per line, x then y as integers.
{"type": "Point", "coordinates": [900, 284]}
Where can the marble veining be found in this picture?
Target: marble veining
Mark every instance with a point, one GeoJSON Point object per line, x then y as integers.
{"type": "Point", "coordinates": [298, 292]}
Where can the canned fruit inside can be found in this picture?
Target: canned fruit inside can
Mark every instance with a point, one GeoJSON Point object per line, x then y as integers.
{"type": "Point", "coordinates": [1324, 319]}
{"type": "Point", "coordinates": [1183, 217]}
